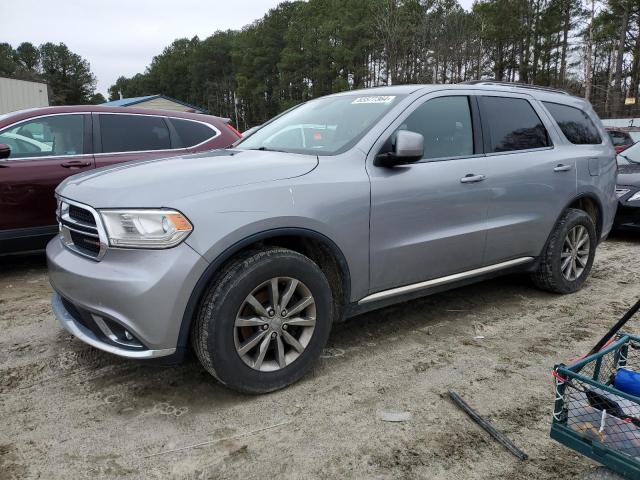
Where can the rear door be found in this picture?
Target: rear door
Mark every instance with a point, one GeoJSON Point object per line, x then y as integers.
{"type": "Point", "coordinates": [44, 151]}
{"type": "Point", "coordinates": [123, 137]}
{"type": "Point", "coordinates": [531, 175]}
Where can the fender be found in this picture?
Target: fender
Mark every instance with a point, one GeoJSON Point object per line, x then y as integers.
{"type": "Point", "coordinates": [573, 200]}
{"type": "Point", "coordinates": [214, 266]}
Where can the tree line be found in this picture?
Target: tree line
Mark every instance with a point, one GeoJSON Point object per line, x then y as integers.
{"type": "Point", "coordinates": [301, 50]}
{"type": "Point", "coordinates": [68, 74]}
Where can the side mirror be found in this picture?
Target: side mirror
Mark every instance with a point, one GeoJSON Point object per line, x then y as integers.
{"type": "Point", "coordinates": [5, 151]}
{"type": "Point", "coordinates": [409, 147]}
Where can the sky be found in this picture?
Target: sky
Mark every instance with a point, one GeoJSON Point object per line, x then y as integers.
{"type": "Point", "coordinates": [120, 37]}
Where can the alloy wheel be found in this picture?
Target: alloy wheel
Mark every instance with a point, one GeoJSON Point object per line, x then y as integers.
{"type": "Point", "coordinates": [275, 324]}
{"type": "Point", "coordinates": [575, 253]}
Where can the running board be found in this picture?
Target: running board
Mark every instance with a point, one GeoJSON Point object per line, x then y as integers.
{"type": "Point", "coordinates": [443, 280]}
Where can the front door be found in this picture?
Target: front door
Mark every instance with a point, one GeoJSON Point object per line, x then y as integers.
{"type": "Point", "coordinates": [44, 151]}
{"type": "Point", "coordinates": [428, 218]}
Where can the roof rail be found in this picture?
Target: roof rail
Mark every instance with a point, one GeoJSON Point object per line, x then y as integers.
{"type": "Point", "coordinates": [514, 84]}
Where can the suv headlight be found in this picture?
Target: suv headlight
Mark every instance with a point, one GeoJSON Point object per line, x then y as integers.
{"type": "Point", "coordinates": [145, 228]}
{"type": "Point", "coordinates": [635, 197]}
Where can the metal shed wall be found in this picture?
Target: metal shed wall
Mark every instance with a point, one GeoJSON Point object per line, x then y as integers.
{"type": "Point", "coordinates": [163, 104]}
{"type": "Point", "coordinates": [21, 94]}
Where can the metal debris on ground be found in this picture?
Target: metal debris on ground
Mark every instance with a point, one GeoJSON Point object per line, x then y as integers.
{"type": "Point", "coordinates": [496, 434]}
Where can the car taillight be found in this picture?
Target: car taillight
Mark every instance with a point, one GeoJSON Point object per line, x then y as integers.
{"type": "Point", "coordinates": [621, 148]}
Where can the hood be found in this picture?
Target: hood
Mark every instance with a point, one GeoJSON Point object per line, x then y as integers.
{"type": "Point", "coordinates": [155, 183]}
{"type": "Point", "coordinates": [629, 175]}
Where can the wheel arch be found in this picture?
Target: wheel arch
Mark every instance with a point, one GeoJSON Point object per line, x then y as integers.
{"type": "Point", "coordinates": [317, 246]}
{"type": "Point", "coordinates": [588, 203]}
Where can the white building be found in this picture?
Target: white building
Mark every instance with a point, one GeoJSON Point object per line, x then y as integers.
{"type": "Point", "coordinates": [21, 94]}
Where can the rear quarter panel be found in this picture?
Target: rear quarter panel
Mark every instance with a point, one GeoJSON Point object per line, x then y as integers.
{"type": "Point", "coordinates": [596, 167]}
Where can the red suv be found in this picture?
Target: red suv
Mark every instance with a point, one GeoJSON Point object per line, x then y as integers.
{"type": "Point", "coordinates": [41, 147]}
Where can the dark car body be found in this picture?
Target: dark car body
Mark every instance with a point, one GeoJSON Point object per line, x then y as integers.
{"type": "Point", "coordinates": [620, 138]}
{"type": "Point", "coordinates": [628, 189]}
{"type": "Point", "coordinates": [50, 144]}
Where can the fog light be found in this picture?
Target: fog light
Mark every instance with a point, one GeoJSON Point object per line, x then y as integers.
{"type": "Point", "coordinates": [127, 335]}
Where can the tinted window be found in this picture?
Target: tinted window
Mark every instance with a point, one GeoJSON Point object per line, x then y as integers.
{"type": "Point", "coordinates": [574, 123]}
{"type": "Point", "coordinates": [445, 124]}
{"type": "Point", "coordinates": [133, 133]}
{"type": "Point", "coordinates": [192, 133]}
{"type": "Point", "coordinates": [47, 136]}
{"type": "Point", "coordinates": [513, 124]}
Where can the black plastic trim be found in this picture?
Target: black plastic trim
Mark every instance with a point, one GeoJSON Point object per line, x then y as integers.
{"type": "Point", "coordinates": [354, 308]}
{"type": "Point", "coordinates": [19, 240]}
{"type": "Point", "coordinates": [214, 267]}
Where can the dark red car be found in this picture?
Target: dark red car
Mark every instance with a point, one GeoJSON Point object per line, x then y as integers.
{"type": "Point", "coordinates": [46, 145]}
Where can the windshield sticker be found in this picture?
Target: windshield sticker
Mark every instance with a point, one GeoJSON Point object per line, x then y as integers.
{"type": "Point", "coordinates": [374, 99]}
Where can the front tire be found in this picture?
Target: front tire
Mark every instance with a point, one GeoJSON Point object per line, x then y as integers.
{"type": "Point", "coordinates": [264, 321]}
{"type": "Point", "coordinates": [566, 262]}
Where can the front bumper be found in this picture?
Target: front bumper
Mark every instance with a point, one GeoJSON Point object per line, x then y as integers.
{"type": "Point", "coordinates": [142, 292]}
{"type": "Point", "coordinates": [87, 335]}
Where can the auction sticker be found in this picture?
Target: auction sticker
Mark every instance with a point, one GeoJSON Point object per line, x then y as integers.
{"type": "Point", "coordinates": [374, 99]}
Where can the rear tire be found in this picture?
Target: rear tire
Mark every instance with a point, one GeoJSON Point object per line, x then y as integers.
{"type": "Point", "coordinates": [566, 261]}
{"type": "Point", "coordinates": [243, 334]}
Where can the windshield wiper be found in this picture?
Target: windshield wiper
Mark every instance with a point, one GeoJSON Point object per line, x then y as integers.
{"type": "Point", "coordinates": [267, 149]}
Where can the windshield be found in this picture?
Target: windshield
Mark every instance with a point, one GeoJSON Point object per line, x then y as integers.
{"type": "Point", "coordinates": [630, 156]}
{"type": "Point", "coordinates": [326, 126]}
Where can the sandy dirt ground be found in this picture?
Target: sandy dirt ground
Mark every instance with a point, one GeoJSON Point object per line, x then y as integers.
{"type": "Point", "coordinates": [70, 411]}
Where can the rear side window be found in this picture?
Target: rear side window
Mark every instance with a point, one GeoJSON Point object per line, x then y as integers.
{"type": "Point", "coordinates": [133, 133]}
{"type": "Point", "coordinates": [513, 124]}
{"type": "Point", "coordinates": [574, 123]}
{"type": "Point", "coordinates": [445, 124]}
{"type": "Point", "coordinates": [192, 133]}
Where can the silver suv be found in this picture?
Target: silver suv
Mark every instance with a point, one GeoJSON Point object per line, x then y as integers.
{"type": "Point", "coordinates": [341, 205]}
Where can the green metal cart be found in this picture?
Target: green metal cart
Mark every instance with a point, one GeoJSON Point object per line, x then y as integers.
{"type": "Point", "coordinates": [594, 418]}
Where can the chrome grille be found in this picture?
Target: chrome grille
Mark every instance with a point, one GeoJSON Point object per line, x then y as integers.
{"type": "Point", "coordinates": [80, 229]}
{"type": "Point", "coordinates": [81, 215]}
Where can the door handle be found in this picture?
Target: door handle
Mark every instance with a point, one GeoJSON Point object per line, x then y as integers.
{"type": "Point", "coordinates": [75, 164]}
{"type": "Point", "coordinates": [562, 168]}
{"type": "Point", "coordinates": [471, 178]}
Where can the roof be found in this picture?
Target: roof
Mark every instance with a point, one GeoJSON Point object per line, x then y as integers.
{"type": "Point", "coordinates": [32, 112]}
{"type": "Point", "coordinates": [483, 85]}
{"type": "Point", "coordinates": [127, 102]}
{"type": "Point", "coordinates": [23, 80]}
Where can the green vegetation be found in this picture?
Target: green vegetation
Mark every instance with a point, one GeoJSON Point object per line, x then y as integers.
{"type": "Point", "coordinates": [68, 74]}
{"type": "Point", "coordinates": [301, 50]}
